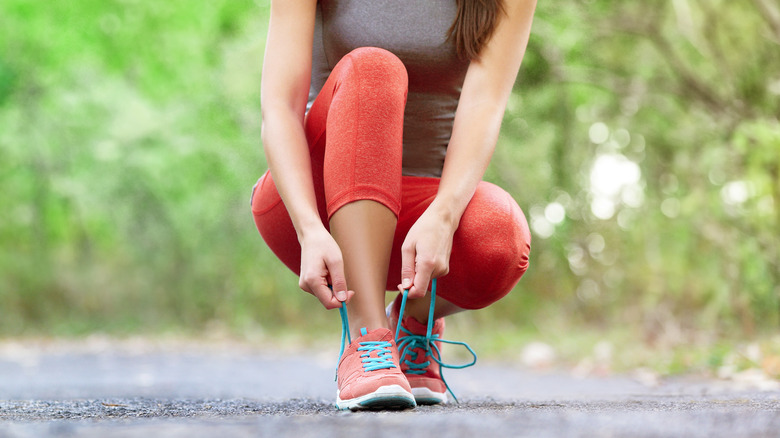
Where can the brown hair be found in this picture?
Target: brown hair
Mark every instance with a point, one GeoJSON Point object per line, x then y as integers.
{"type": "Point", "coordinates": [474, 25]}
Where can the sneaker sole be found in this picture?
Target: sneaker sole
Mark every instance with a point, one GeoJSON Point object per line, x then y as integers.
{"type": "Point", "coordinates": [386, 397]}
{"type": "Point", "coordinates": [424, 396]}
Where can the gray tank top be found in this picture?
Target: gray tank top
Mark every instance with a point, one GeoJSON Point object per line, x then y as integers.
{"type": "Point", "coordinates": [416, 32]}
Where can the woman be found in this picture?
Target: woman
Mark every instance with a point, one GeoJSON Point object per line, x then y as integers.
{"type": "Point", "coordinates": [379, 119]}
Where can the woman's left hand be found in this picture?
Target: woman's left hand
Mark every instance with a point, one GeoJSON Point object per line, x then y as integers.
{"type": "Point", "coordinates": [425, 253]}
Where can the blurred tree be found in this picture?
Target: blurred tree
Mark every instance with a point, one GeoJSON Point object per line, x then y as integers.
{"type": "Point", "coordinates": [642, 140]}
{"type": "Point", "coordinates": [688, 90]}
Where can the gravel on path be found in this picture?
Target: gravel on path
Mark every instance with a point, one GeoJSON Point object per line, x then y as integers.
{"type": "Point", "coordinates": [137, 391]}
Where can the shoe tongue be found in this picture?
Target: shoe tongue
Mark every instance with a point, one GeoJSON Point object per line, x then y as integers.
{"type": "Point", "coordinates": [380, 334]}
{"type": "Point", "coordinates": [416, 327]}
{"type": "Point", "coordinates": [413, 325]}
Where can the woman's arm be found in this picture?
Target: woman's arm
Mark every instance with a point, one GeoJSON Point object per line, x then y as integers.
{"type": "Point", "coordinates": [486, 89]}
{"type": "Point", "coordinates": [284, 92]}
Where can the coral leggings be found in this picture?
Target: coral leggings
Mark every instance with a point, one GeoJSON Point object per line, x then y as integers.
{"type": "Point", "coordinates": [354, 130]}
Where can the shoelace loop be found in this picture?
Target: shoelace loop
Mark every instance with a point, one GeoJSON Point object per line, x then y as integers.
{"type": "Point", "coordinates": [427, 343]}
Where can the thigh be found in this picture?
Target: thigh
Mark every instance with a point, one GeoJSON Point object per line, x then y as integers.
{"type": "Point", "coordinates": [489, 250]}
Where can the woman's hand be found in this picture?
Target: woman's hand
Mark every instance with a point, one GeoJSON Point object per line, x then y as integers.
{"type": "Point", "coordinates": [284, 93]}
{"type": "Point", "coordinates": [425, 253]}
{"type": "Point", "coordinates": [322, 266]}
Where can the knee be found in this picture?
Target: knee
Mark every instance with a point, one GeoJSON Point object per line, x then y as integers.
{"type": "Point", "coordinates": [504, 251]}
{"type": "Point", "coordinates": [499, 242]}
{"type": "Point", "coordinates": [513, 249]}
{"type": "Point", "coordinates": [375, 58]}
{"type": "Point", "coordinates": [379, 67]}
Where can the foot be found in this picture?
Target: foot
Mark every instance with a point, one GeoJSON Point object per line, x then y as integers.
{"type": "Point", "coordinates": [423, 373]}
{"type": "Point", "coordinates": [369, 375]}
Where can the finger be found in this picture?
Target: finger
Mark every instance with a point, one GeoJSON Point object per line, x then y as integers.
{"type": "Point", "coordinates": [441, 271]}
{"type": "Point", "coordinates": [326, 297]}
{"type": "Point", "coordinates": [336, 271]}
{"type": "Point", "coordinates": [408, 254]}
{"type": "Point", "coordinates": [421, 279]}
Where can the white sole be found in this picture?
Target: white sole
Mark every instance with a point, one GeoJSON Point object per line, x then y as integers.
{"type": "Point", "coordinates": [385, 397]}
{"type": "Point", "coordinates": [424, 396]}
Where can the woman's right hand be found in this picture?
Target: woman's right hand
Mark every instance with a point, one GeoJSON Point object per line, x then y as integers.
{"type": "Point", "coordinates": [322, 266]}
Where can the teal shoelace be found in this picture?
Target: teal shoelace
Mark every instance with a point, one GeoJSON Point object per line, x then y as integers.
{"type": "Point", "coordinates": [383, 359]}
{"type": "Point", "coordinates": [384, 356]}
{"type": "Point", "coordinates": [411, 342]}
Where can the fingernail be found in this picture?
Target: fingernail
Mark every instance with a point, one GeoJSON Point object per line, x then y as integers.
{"type": "Point", "coordinates": [341, 295]}
{"type": "Point", "coordinates": [407, 282]}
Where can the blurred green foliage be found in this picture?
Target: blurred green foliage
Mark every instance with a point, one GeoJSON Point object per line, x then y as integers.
{"type": "Point", "coordinates": [642, 141]}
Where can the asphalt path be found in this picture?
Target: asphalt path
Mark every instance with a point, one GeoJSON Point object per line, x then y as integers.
{"type": "Point", "coordinates": [103, 388]}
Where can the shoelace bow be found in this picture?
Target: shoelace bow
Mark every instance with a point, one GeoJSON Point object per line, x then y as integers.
{"type": "Point", "coordinates": [406, 345]}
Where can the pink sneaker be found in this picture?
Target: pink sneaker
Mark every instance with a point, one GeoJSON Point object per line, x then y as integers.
{"type": "Point", "coordinates": [423, 373]}
{"type": "Point", "coordinates": [369, 375]}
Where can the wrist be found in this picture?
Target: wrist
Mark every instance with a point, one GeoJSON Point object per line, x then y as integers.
{"type": "Point", "coordinates": [447, 212]}
{"type": "Point", "coordinates": [309, 228]}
